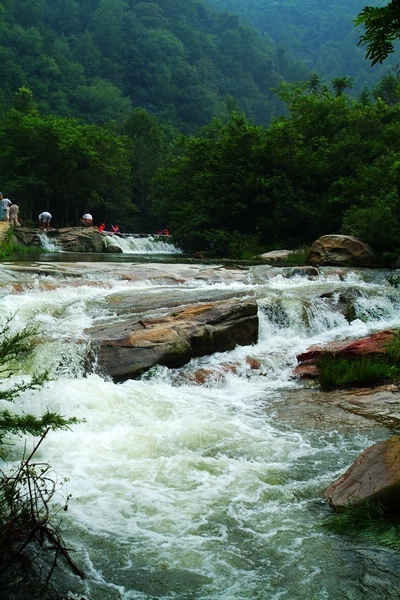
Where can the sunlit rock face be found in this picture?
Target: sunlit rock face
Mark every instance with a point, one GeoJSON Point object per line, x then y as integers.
{"type": "Point", "coordinates": [78, 239]}
{"type": "Point", "coordinates": [69, 239]}
{"type": "Point", "coordinates": [130, 347]}
{"type": "Point", "coordinates": [373, 477]}
{"type": "Point", "coordinates": [341, 250]}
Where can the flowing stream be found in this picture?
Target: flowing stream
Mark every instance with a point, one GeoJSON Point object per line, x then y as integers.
{"type": "Point", "coordinates": [190, 487]}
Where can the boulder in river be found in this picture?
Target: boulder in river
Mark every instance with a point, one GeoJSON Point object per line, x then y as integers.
{"type": "Point", "coordinates": [78, 239]}
{"type": "Point", "coordinates": [69, 239]}
{"type": "Point", "coordinates": [341, 250]}
{"type": "Point", "coordinates": [373, 477]}
{"type": "Point", "coordinates": [128, 348]}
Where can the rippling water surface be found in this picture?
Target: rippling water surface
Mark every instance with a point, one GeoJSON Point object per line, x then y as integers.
{"type": "Point", "coordinates": [186, 487]}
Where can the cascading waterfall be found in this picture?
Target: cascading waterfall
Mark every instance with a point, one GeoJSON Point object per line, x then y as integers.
{"type": "Point", "coordinates": [134, 244]}
{"type": "Point", "coordinates": [48, 244]}
{"type": "Point", "coordinates": [208, 490]}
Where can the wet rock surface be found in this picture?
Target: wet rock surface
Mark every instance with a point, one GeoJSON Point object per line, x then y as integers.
{"type": "Point", "coordinates": [373, 477]}
{"type": "Point", "coordinates": [127, 348]}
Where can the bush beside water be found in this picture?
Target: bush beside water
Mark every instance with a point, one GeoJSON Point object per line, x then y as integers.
{"type": "Point", "coordinates": [340, 372]}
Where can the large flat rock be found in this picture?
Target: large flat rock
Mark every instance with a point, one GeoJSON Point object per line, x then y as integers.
{"type": "Point", "coordinates": [130, 347]}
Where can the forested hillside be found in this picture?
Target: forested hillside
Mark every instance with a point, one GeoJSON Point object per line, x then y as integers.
{"type": "Point", "coordinates": [319, 33]}
{"type": "Point", "coordinates": [159, 114]}
{"type": "Point", "coordinates": [179, 59]}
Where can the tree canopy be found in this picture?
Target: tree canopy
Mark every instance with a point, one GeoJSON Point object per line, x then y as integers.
{"type": "Point", "coordinates": [322, 169]}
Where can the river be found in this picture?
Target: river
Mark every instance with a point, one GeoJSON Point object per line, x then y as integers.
{"type": "Point", "coordinates": [186, 490]}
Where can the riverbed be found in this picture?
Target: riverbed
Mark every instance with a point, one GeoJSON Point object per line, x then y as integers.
{"type": "Point", "coordinates": [206, 488]}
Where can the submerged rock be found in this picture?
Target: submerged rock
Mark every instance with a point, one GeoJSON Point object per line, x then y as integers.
{"type": "Point", "coordinates": [373, 477]}
{"type": "Point", "coordinates": [128, 348]}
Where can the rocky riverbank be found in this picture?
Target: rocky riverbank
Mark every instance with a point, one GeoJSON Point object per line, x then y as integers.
{"type": "Point", "coordinates": [68, 239]}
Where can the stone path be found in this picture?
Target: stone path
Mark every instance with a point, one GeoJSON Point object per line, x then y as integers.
{"type": "Point", "coordinates": [3, 229]}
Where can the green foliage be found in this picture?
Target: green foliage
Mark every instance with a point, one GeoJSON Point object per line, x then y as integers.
{"type": "Point", "coordinates": [337, 372]}
{"type": "Point", "coordinates": [150, 145]}
{"type": "Point", "coordinates": [8, 246]}
{"type": "Point", "coordinates": [374, 221]}
{"type": "Point", "coordinates": [367, 521]}
{"type": "Point", "coordinates": [327, 167]}
{"type": "Point", "coordinates": [64, 166]}
{"type": "Point", "coordinates": [14, 346]}
{"type": "Point", "coordinates": [296, 257]}
{"type": "Point", "coordinates": [321, 34]}
{"type": "Point", "coordinates": [382, 27]}
{"type": "Point", "coordinates": [97, 60]}
{"type": "Point", "coordinates": [340, 372]}
{"type": "Point", "coordinates": [26, 519]}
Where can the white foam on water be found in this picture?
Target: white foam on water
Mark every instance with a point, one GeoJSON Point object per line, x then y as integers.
{"type": "Point", "coordinates": [183, 490]}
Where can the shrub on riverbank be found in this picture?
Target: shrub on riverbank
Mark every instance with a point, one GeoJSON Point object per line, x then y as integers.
{"type": "Point", "coordinates": [340, 372]}
{"type": "Point", "coordinates": [29, 527]}
{"type": "Point", "coordinates": [8, 246]}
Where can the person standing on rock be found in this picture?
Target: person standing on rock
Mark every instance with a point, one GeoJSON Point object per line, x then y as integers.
{"type": "Point", "coordinates": [6, 202]}
{"type": "Point", "coordinates": [87, 220]}
{"type": "Point", "coordinates": [44, 220]}
{"type": "Point", "coordinates": [14, 210]}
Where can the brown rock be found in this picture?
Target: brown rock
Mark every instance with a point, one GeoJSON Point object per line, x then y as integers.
{"type": "Point", "coordinates": [342, 250]}
{"type": "Point", "coordinates": [78, 239]}
{"type": "Point", "coordinates": [127, 349]}
{"type": "Point", "coordinates": [373, 477]}
{"type": "Point", "coordinates": [373, 344]}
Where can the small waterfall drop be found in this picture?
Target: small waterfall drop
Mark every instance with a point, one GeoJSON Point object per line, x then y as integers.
{"type": "Point", "coordinates": [138, 244]}
{"type": "Point", "coordinates": [49, 245]}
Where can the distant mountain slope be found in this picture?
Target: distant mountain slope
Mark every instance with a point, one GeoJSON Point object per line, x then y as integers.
{"type": "Point", "coordinates": [179, 59]}
{"type": "Point", "coordinates": [320, 33]}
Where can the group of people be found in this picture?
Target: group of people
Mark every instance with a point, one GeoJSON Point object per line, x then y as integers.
{"type": "Point", "coordinates": [9, 214]}
{"type": "Point", "coordinates": [114, 228]}
{"type": "Point", "coordinates": [9, 211]}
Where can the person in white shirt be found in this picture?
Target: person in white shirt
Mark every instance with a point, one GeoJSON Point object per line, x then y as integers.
{"type": "Point", "coordinates": [44, 220]}
{"type": "Point", "coordinates": [6, 208]}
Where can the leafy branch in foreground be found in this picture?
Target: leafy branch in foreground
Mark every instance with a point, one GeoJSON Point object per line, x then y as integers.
{"type": "Point", "coordinates": [26, 518]}
{"type": "Point", "coordinates": [28, 534]}
{"type": "Point", "coordinates": [382, 28]}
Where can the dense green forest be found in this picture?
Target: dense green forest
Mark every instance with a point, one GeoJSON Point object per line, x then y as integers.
{"type": "Point", "coordinates": [172, 114]}
{"type": "Point", "coordinates": [181, 60]}
{"type": "Point", "coordinates": [320, 34]}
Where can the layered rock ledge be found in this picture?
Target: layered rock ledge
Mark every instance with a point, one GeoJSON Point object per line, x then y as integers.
{"type": "Point", "coordinates": [126, 349]}
{"type": "Point", "coordinates": [69, 239]}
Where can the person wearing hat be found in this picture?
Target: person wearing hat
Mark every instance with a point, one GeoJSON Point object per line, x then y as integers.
{"type": "Point", "coordinates": [87, 220]}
